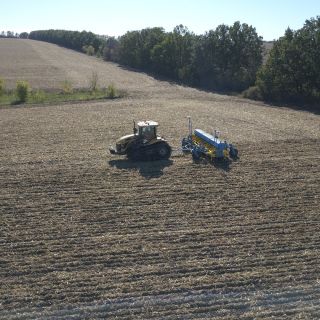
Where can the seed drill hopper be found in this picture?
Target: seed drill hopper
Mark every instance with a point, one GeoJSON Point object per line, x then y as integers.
{"type": "Point", "coordinates": [202, 144]}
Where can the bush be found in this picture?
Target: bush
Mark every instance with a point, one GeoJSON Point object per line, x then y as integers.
{"type": "Point", "coordinates": [253, 93]}
{"type": "Point", "coordinates": [93, 81]}
{"type": "Point", "coordinates": [22, 90]}
{"type": "Point", "coordinates": [111, 91]}
{"type": "Point", "coordinates": [38, 96]}
{"type": "Point", "coordinates": [89, 50]}
{"type": "Point", "coordinates": [66, 86]}
{"type": "Point", "coordinates": [2, 87]}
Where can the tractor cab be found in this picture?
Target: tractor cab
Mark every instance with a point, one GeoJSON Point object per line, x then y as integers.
{"type": "Point", "coordinates": [147, 130]}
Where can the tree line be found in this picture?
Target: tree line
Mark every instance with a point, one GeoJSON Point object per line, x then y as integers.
{"type": "Point", "coordinates": [80, 41]}
{"type": "Point", "coordinates": [227, 59]}
{"type": "Point", "coordinates": [9, 34]}
{"type": "Point", "coordinates": [292, 71]}
{"type": "Point", "coordinates": [224, 59]}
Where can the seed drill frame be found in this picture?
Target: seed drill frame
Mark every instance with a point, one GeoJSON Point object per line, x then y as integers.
{"type": "Point", "coordinates": [202, 144]}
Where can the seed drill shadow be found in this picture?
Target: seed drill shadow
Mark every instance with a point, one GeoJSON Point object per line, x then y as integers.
{"type": "Point", "coordinates": [147, 169]}
{"type": "Point", "coordinates": [221, 164]}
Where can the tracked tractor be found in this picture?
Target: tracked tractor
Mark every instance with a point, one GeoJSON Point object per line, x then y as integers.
{"type": "Point", "coordinates": [144, 144]}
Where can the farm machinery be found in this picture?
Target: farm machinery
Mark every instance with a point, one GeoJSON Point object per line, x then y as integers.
{"type": "Point", "coordinates": [202, 144]}
{"type": "Point", "coordinates": [143, 144]}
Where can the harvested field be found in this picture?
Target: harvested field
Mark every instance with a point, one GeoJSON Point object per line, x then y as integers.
{"type": "Point", "coordinates": [47, 66]}
{"type": "Point", "coordinates": [87, 235]}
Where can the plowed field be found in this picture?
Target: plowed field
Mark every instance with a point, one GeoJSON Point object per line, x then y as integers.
{"type": "Point", "coordinates": [85, 235]}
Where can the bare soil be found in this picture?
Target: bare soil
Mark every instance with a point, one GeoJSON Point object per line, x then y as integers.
{"type": "Point", "coordinates": [86, 235]}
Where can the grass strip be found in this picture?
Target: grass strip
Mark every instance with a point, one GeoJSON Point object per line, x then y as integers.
{"type": "Point", "coordinates": [43, 96]}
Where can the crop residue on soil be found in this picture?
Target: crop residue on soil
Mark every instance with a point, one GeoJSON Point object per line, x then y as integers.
{"type": "Point", "coordinates": [87, 235]}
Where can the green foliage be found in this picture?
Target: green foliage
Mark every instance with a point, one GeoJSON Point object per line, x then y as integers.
{"type": "Point", "coordinates": [22, 90]}
{"type": "Point", "coordinates": [24, 35]}
{"type": "Point", "coordinates": [292, 71]}
{"type": "Point", "coordinates": [2, 87]}
{"type": "Point", "coordinates": [70, 39]}
{"type": "Point", "coordinates": [135, 47]}
{"type": "Point", "coordinates": [228, 58]}
{"type": "Point", "coordinates": [172, 57]}
{"type": "Point", "coordinates": [111, 91]}
{"type": "Point", "coordinates": [66, 87]}
{"type": "Point", "coordinates": [253, 93]}
{"type": "Point", "coordinates": [38, 96]}
{"type": "Point", "coordinates": [223, 59]}
{"type": "Point", "coordinates": [111, 50]}
{"type": "Point", "coordinates": [89, 50]}
{"type": "Point", "coordinates": [93, 81]}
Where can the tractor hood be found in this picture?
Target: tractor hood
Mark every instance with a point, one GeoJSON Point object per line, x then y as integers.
{"type": "Point", "coordinates": [126, 138]}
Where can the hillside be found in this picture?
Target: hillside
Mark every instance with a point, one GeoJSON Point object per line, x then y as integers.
{"type": "Point", "coordinates": [46, 66]}
{"type": "Point", "coordinates": [88, 235]}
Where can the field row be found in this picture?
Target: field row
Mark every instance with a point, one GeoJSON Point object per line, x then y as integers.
{"type": "Point", "coordinates": [171, 237]}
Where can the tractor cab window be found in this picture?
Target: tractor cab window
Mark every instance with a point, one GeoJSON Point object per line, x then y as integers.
{"type": "Point", "coordinates": [148, 132]}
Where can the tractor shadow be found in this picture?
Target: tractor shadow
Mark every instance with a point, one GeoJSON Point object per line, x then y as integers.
{"type": "Point", "coordinates": [147, 169]}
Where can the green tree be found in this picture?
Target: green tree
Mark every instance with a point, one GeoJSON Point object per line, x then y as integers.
{"type": "Point", "coordinates": [111, 49]}
{"type": "Point", "coordinates": [163, 57]}
{"type": "Point", "coordinates": [246, 55]}
{"type": "Point", "coordinates": [129, 48]}
{"type": "Point", "coordinates": [292, 71]}
{"type": "Point", "coordinates": [24, 35]}
{"type": "Point", "coordinates": [135, 47]}
{"type": "Point", "coordinates": [111, 91]}
{"type": "Point", "coordinates": [223, 59]}
{"type": "Point", "coordinates": [228, 58]}
{"type": "Point", "coordinates": [70, 39]}
{"type": "Point", "coordinates": [148, 39]}
{"type": "Point", "coordinates": [94, 81]}
{"type": "Point", "coordinates": [22, 90]}
{"type": "Point", "coordinates": [173, 56]}
{"type": "Point", "coordinates": [89, 50]}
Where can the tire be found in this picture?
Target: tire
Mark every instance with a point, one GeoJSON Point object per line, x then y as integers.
{"type": "Point", "coordinates": [195, 154]}
{"type": "Point", "coordinates": [233, 153]}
